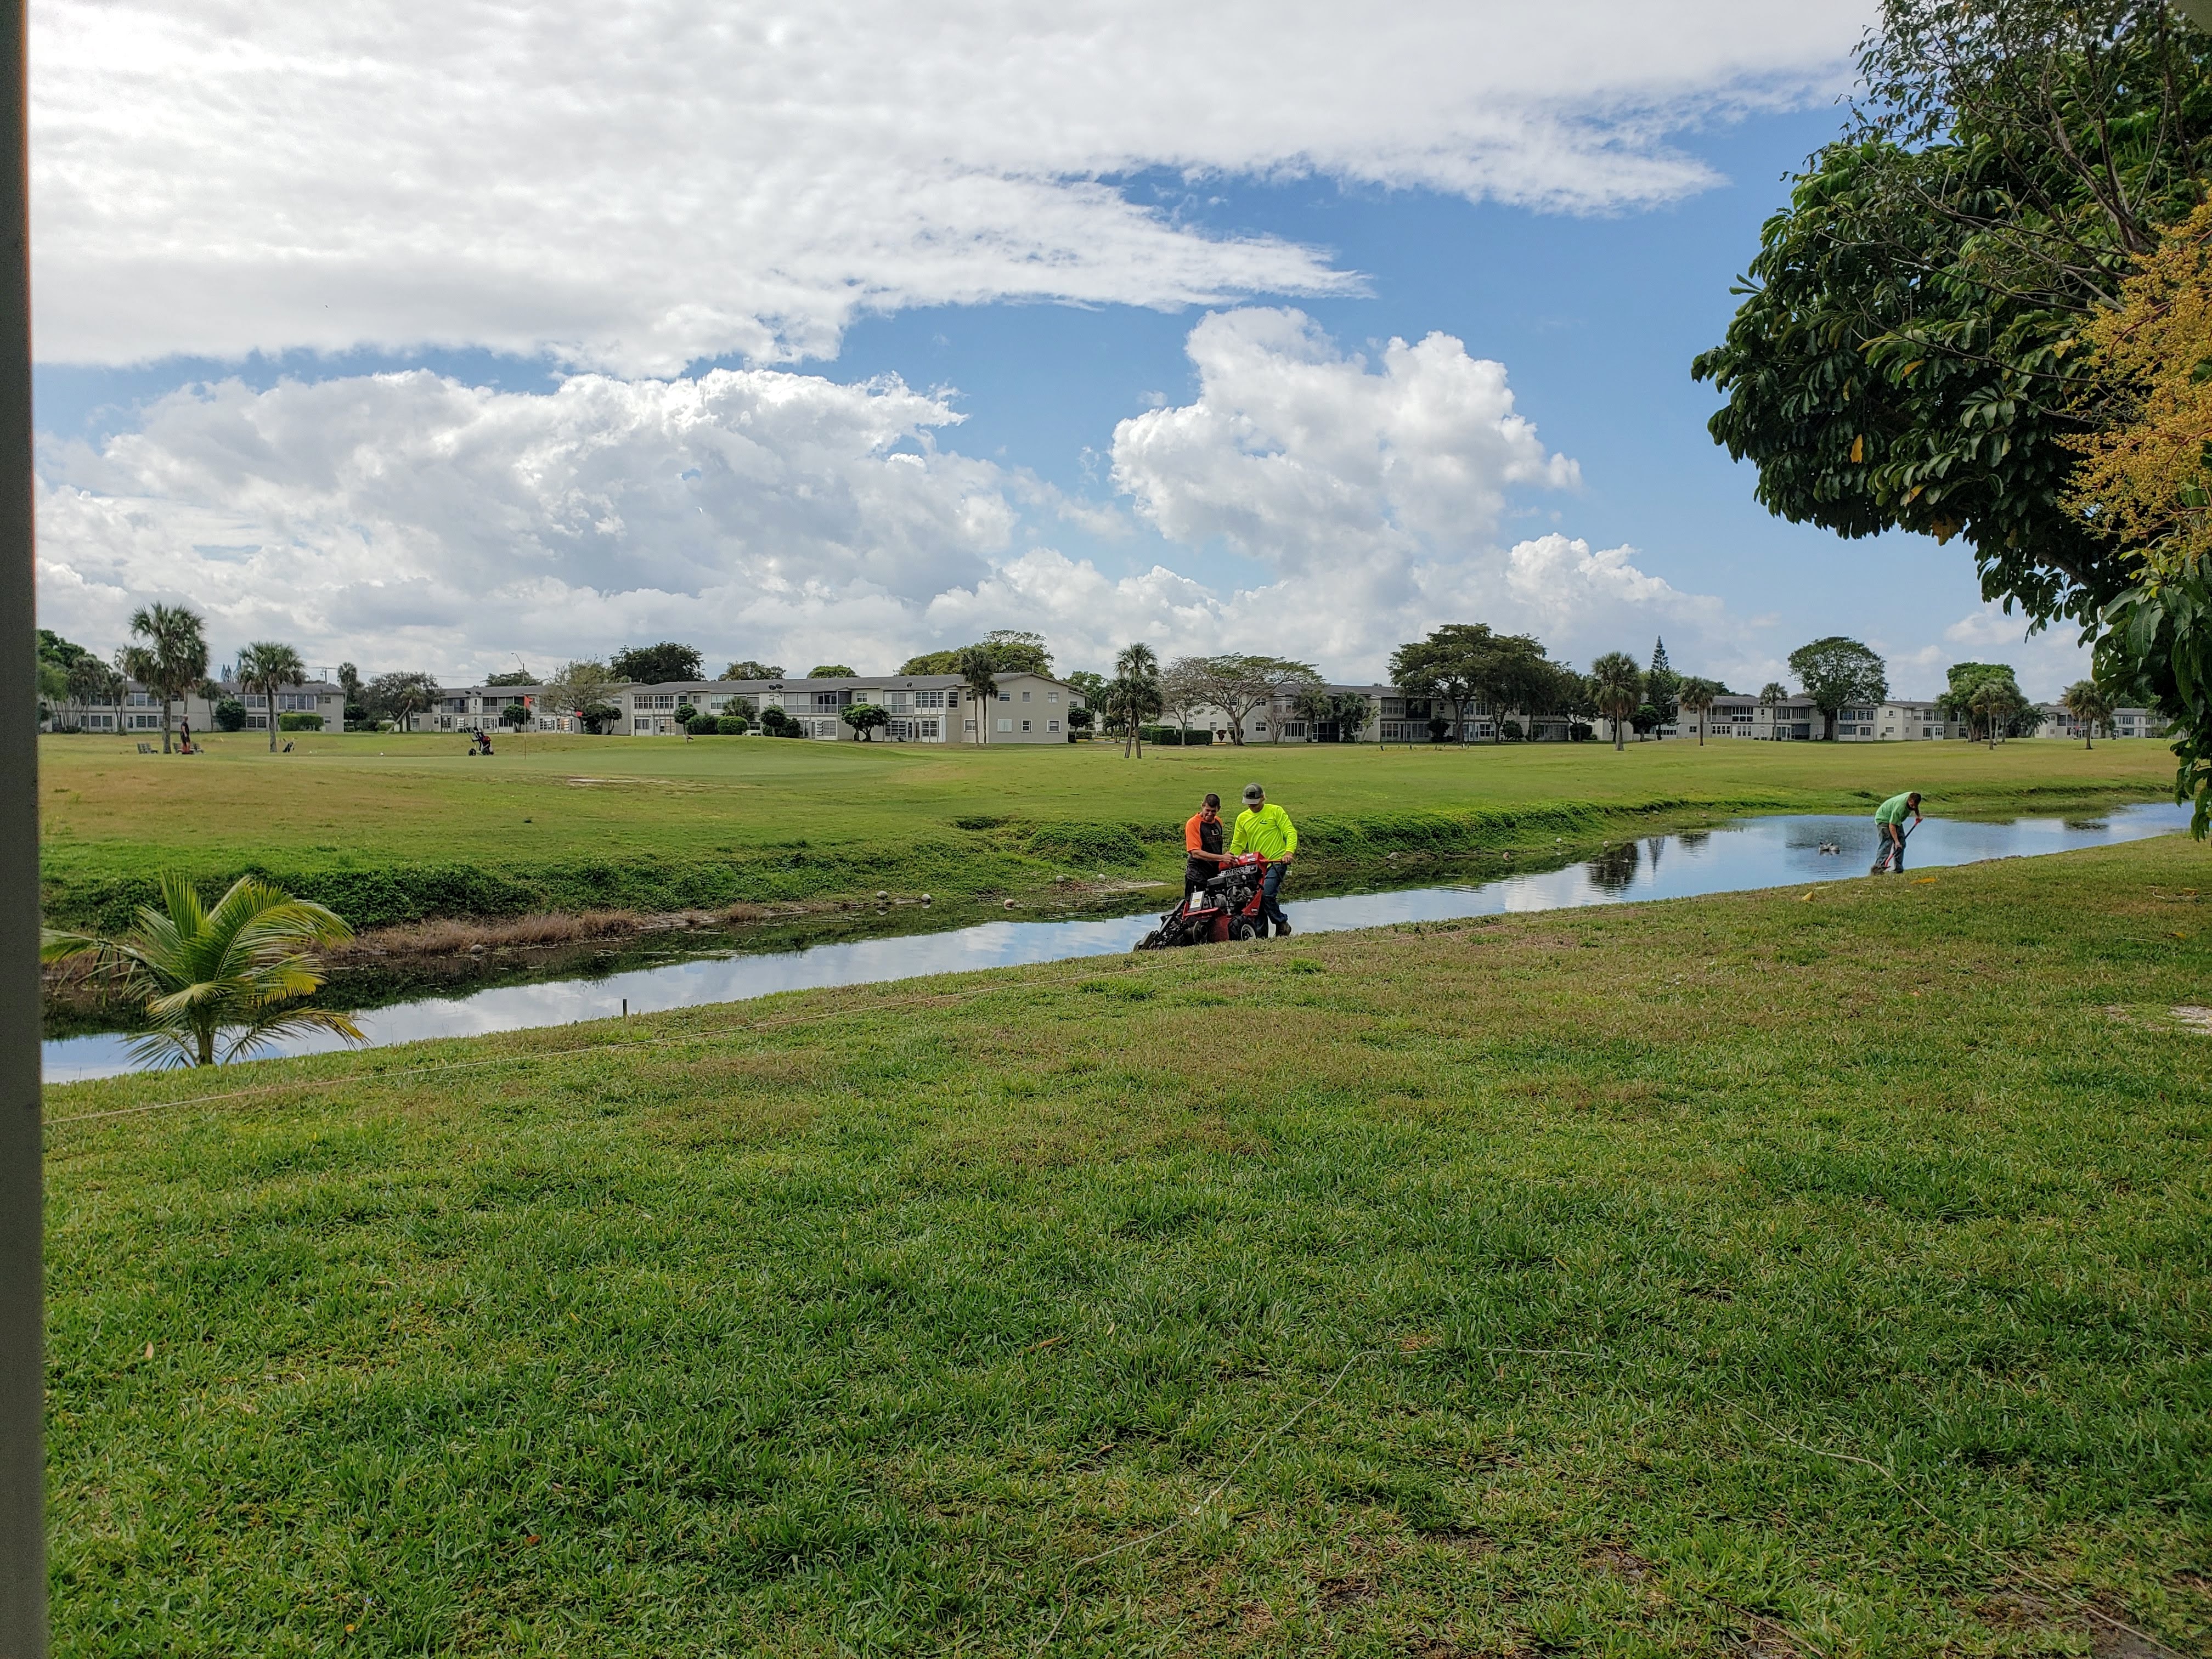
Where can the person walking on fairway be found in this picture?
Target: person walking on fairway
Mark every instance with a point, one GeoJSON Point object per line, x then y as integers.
{"type": "Point", "coordinates": [1889, 830]}
{"type": "Point", "coordinates": [1268, 832]}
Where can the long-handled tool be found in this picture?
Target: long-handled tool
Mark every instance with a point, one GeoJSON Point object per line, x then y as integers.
{"type": "Point", "coordinates": [1896, 850]}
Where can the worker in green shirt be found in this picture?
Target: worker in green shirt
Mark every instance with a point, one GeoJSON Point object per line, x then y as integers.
{"type": "Point", "coordinates": [1268, 832]}
{"type": "Point", "coordinates": [1890, 832]}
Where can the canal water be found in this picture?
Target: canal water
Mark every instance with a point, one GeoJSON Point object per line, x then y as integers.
{"type": "Point", "coordinates": [1733, 856]}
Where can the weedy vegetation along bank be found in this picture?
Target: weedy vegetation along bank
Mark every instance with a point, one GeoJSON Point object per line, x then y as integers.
{"type": "Point", "coordinates": [390, 830]}
{"type": "Point", "coordinates": [1818, 1271]}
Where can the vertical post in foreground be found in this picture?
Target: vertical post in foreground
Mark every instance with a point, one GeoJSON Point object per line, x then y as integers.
{"type": "Point", "coordinates": [23, 1478]}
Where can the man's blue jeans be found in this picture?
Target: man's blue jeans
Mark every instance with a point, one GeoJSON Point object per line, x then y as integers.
{"type": "Point", "coordinates": [1270, 884]}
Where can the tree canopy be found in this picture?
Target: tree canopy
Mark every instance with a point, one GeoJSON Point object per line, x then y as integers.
{"type": "Point", "coordinates": [2004, 712]}
{"type": "Point", "coordinates": [832, 671]}
{"type": "Point", "coordinates": [1837, 671]}
{"type": "Point", "coordinates": [746, 669]}
{"type": "Point", "coordinates": [1466, 664]}
{"type": "Point", "coordinates": [1013, 651]}
{"type": "Point", "coordinates": [657, 664]}
{"type": "Point", "coordinates": [1909, 350]}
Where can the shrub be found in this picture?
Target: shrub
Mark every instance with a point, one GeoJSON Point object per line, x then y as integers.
{"type": "Point", "coordinates": [702, 725]}
{"type": "Point", "coordinates": [230, 714]}
{"type": "Point", "coordinates": [1172, 736]}
{"type": "Point", "coordinates": [297, 721]}
{"type": "Point", "coordinates": [1580, 732]}
{"type": "Point", "coordinates": [1511, 731]}
{"type": "Point", "coordinates": [733, 725]}
{"type": "Point", "coordinates": [1438, 729]}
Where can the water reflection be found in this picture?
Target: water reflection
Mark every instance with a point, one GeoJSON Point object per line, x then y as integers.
{"type": "Point", "coordinates": [1729, 858]}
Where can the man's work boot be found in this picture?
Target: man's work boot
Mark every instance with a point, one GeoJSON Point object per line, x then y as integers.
{"type": "Point", "coordinates": [1282, 930]}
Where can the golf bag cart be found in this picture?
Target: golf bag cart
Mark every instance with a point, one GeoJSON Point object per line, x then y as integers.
{"type": "Point", "coordinates": [1227, 906]}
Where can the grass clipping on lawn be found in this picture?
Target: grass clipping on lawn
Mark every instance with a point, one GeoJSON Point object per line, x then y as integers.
{"type": "Point", "coordinates": [1747, 1273]}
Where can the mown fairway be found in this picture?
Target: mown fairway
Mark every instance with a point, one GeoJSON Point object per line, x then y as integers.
{"type": "Point", "coordinates": [391, 827]}
{"type": "Point", "coordinates": [1760, 1274]}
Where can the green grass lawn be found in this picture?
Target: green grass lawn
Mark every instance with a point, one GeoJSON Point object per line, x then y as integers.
{"type": "Point", "coordinates": [391, 828]}
{"type": "Point", "coordinates": [1762, 1275]}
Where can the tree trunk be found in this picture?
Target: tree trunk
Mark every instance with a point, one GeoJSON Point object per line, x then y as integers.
{"type": "Point", "coordinates": [207, 1045]}
{"type": "Point", "coordinates": [165, 723]}
{"type": "Point", "coordinates": [270, 698]}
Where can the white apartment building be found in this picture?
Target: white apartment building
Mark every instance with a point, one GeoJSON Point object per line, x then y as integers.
{"type": "Point", "coordinates": [2124, 723]}
{"type": "Point", "coordinates": [1794, 720]}
{"type": "Point", "coordinates": [137, 710]}
{"type": "Point", "coordinates": [1027, 708]}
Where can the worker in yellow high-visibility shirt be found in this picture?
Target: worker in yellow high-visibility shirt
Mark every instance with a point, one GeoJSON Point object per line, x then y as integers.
{"type": "Point", "coordinates": [1268, 832]}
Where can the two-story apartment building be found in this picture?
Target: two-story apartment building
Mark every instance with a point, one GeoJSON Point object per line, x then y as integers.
{"type": "Point", "coordinates": [1026, 708]}
{"type": "Point", "coordinates": [2057, 722]}
{"type": "Point", "coordinates": [1796, 719]}
{"type": "Point", "coordinates": [136, 708]}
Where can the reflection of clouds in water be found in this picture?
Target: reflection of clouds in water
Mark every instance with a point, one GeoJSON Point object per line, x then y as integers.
{"type": "Point", "coordinates": [1751, 853]}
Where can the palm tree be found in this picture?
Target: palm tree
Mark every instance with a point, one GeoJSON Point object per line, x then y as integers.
{"type": "Point", "coordinates": [1995, 703]}
{"type": "Point", "coordinates": [978, 668]}
{"type": "Point", "coordinates": [173, 659]}
{"type": "Point", "coordinates": [1618, 684]}
{"type": "Point", "coordinates": [1697, 694]}
{"type": "Point", "coordinates": [2089, 706]}
{"type": "Point", "coordinates": [199, 974]}
{"type": "Point", "coordinates": [1136, 691]}
{"type": "Point", "coordinates": [267, 668]}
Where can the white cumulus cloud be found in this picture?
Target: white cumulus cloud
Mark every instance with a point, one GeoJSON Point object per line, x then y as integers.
{"type": "Point", "coordinates": [637, 187]}
{"type": "Point", "coordinates": [410, 520]}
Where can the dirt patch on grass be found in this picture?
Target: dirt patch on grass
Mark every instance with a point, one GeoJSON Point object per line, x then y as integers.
{"type": "Point", "coordinates": [1624, 1565]}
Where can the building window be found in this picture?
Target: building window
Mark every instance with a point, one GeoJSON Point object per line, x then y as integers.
{"type": "Point", "coordinates": [1005, 696]}
{"type": "Point", "coordinates": [927, 728]}
{"type": "Point", "coordinates": [929, 700]}
{"type": "Point", "coordinates": [1259, 726]}
{"type": "Point", "coordinates": [1025, 725]}
{"type": "Point", "coordinates": [1052, 725]}
{"type": "Point", "coordinates": [1006, 726]}
{"type": "Point", "coordinates": [1052, 696]}
{"type": "Point", "coordinates": [1026, 697]}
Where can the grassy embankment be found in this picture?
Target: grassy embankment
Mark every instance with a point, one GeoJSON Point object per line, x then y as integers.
{"type": "Point", "coordinates": [1755, 1275]}
{"type": "Point", "coordinates": [396, 830]}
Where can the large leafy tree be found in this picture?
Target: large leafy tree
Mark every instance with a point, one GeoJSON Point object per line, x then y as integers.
{"type": "Point", "coordinates": [2005, 712]}
{"type": "Point", "coordinates": [1837, 671]}
{"type": "Point", "coordinates": [399, 696]}
{"type": "Point", "coordinates": [746, 668]}
{"type": "Point", "coordinates": [1907, 355]}
{"type": "Point", "coordinates": [1017, 650]}
{"type": "Point", "coordinates": [169, 656]}
{"type": "Point", "coordinates": [1464, 665]}
{"type": "Point", "coordinates": [266, 667]}
{"type": "Point", "coordinates": [657, 664]}
{"type": "Point", "coordinates": [1240, 684]}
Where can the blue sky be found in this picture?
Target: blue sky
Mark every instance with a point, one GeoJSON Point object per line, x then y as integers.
{"type": "Point", "coordinates": [804, 503]}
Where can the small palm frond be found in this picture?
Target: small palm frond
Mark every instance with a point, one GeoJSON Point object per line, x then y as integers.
{"type": "Point", "coordinates": [268, 1027]}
